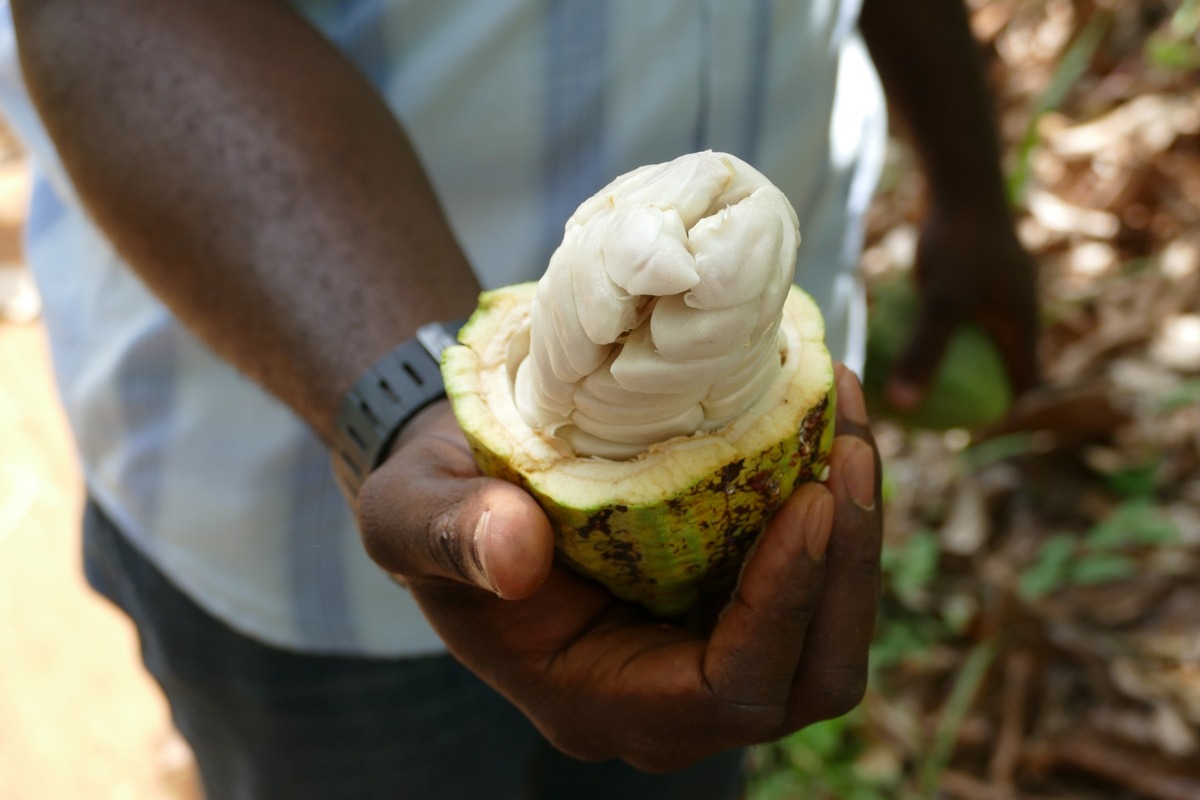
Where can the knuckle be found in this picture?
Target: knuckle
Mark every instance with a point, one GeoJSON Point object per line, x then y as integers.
{"type": "Point", "coordinates": [842, 695]}
{"type": "Point", "coordinates": [751, 724]}
{"type": "Point", "coordinates": [742, 719]}
{"type": "Point", "coordinates": [445, 548]}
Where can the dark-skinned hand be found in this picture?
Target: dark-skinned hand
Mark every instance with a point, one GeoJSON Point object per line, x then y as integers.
{"type": "Point", "coordinates": [970, 267]}
{"type": "Point", "coordinates": [599, 677]}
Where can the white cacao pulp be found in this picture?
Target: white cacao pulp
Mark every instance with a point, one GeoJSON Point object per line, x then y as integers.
{"type": "Point", "coordinates": [658, 315]}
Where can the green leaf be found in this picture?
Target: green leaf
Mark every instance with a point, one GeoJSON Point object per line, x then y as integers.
{"type": "Point", "coordinates": [1052, 568]}
{"type": "Point", "coordinates": [1184, 394]}
{"type": "Point", "coordinates": [818, 742]}
{"type": "Point", "coordinates": [962, 697]}
{"type": "Point", "coordinates": [1134, 482]}
{"type": "Point", "coordinates": [1071, 67]}
{"type": "Point", "coordinates": [958, 611]}
{"type": "Point", "coordinates": [1172, 54]}
{"type": "Point", "coordinates": [1134, 522]}
{"type": "Point", "coordinates": [1102, 568]}
{"type": "Point", "coordinates": [863, 792]}
{"type": "Point", "coordinates": [998, 448]}
{"type": "Point", "coordinates": [1175, 47]}
{"type": "Point", "coordinates": [888, 486]}
{"type": "Point", "coordinates": [819, 762]}
{"type": "Point", "coordinates": [777, 785]}
{"type": "Point", "coordinates": [901, 640]}
{"type": "Point", "coordinates": [913, 566]}
{"type": "Point", "coordinates": [1185, 23]}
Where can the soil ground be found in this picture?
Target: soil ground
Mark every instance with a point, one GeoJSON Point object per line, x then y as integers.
{"type": "Point", "coordinates": [79, 718]}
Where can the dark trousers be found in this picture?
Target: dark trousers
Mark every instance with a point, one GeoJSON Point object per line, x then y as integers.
{"type": "Point", "coordinates": [269, 723]}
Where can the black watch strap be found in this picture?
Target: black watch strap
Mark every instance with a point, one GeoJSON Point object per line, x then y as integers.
{"type": "Point", "coordinates": [386, 397]}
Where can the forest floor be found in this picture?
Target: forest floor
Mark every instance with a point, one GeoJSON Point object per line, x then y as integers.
{"type": "Point", "coordinates": [1040, 633]}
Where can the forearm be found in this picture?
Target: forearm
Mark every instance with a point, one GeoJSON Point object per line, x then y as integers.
{"type": "Point", "coordinates": [252, 177]}
{"type": "Point", "coordinates": [930, 68]}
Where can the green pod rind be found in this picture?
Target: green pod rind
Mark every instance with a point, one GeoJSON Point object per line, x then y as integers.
{"type": "Point", "coordinates": [676, 523]}
{"type": "Point", "coordinates": [666, 555]}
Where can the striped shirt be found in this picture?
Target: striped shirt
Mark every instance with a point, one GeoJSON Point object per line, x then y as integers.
{"type": "Point", "coordinates": [519, 110]}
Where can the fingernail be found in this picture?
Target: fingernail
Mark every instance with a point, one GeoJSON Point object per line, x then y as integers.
{"type": "Point", "coordinates": [479, 555]}
{"type": "Point", "coordinates": [850, 399]}
{"type": "Point", "coordinates": [859, 477]}
{"type": "Point", "coordinates": [818, 523]}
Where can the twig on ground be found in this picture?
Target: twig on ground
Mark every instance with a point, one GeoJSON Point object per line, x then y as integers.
{"type": "Point", "coordinates": [1143, 772]}
{"type": "Point", "coordinates": [1002, 768]}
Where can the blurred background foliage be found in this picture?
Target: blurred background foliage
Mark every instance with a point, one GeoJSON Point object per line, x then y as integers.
{"type": "Point", "coordinates": [1040, 630]}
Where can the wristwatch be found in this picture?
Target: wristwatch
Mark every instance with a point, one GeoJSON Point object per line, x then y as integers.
{"type": "Point", "coordinates": [386, 397]}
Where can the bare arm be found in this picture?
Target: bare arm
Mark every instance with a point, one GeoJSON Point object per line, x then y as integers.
{"type": "Point", "coordinates": [262, 189]}
{"type": "Point", "coordinates": [929, 65]}
{"type": "Point", "coordinates": [252, 177]}
{"type": "Point", "coordinates": [970, 265]}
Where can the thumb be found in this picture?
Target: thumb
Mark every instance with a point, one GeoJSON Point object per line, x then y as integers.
{"type": "Point", "coordinates": [914, 370]}
{"type": "Point", "coordinates": [418, 520]}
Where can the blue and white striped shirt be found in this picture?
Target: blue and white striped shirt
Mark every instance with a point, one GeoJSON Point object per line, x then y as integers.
{"type": "Point", "coordinates": [519, 110]}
